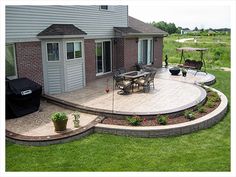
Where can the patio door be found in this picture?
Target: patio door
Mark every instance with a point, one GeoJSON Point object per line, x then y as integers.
{"type": "Point", "coordinates": [103, 57]}
{"type": "Point", "coordinates": [145, 51]}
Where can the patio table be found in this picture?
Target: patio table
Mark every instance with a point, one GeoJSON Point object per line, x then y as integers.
{"type": "Point", "coordinates": [132, 75]}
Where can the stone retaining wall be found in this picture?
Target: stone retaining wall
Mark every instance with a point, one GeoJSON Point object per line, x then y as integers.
{"type": "Point", "coordinates": [169, 130]}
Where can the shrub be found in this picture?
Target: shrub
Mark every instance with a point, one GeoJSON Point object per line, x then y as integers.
{"type": "Point", "coordinates": [162, 120]}
{"type": "Point", "coordinates": [213, 94]}
{"type": "Point", "coordinates": [189, 115]}
{"type": "Point", "coordinates": [214, 99]}
{"type": "Point", "coordinates": [57, 116]}
{"type": "Point", "coordinates": [202, 109]}
{"type": "Point", "coordinates": [134, 120]}
{"type": "Point", "coordinates": [210, 104]}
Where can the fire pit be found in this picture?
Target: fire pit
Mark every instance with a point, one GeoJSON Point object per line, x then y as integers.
{"type": "Point", "coordinates": [174, 71]}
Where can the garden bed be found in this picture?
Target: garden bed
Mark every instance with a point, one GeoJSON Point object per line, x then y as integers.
{"type": "Point", "coordinates": [212, 102]}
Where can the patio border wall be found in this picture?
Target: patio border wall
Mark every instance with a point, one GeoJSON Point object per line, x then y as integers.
{"type": "Point", "coordinates": [149, 131]}
{"type": "Point", "coordinates": [169, 130]}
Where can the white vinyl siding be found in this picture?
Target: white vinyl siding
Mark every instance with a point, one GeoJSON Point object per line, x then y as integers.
{"type": "Point", "coordinates": [74, 75]}
{"type": "Point", "coordinates": [23, 23]}
{"type": "Point", "coordinates": [54, 78]}
{"type": "Point", "coordinates": [74, 67]}
{"type": "Point", "coordinates": [63, 75]}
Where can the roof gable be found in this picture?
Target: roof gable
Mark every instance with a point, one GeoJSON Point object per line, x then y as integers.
{"type": "Point", "coordinates": [61, 29]}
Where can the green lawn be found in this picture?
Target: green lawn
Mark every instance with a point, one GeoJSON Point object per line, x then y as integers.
{"type": "Point", "coordinates": [218, 53]}
{"type": "Point", "coordinates": [205, 150]}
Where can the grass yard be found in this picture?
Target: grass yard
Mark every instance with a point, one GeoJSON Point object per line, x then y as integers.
{"type": "Point", "coordinates": [217, 55]}
{"type": "Point", "coordinates": [205, 150]}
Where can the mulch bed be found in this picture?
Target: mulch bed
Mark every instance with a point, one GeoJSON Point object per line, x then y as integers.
{"type": "Point", "coordinates": [170, 121]}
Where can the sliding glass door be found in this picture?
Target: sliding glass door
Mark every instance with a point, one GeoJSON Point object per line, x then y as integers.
{"type": "Point", "coordinates": [103, 57]}
{"type": "Point", "coordinates": [145, 51]}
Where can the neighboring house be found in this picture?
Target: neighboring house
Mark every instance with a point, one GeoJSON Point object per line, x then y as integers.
{"type": "Point", "coordinates": [185, 31]}
{"type": "Point", "coordinates": [64, 47]}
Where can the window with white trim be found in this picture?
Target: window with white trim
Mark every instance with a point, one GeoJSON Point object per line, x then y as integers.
{"type": "Point", "coordinates": [145, 51]}
{"type": "Point", "coordinates": [10, 61]}
{"type": "Point", "coordinates": [53, 51]}
{"type": "Point", "coordinates": [73, 50]}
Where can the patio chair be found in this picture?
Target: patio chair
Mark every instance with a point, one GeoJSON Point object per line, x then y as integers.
{"type": "Point", "coordinates": [151, 79]}
{"type": "Point", "coordinates": [118, 79]}
{"type": "Point", "coordinates": [122, 70]}
{"type": "Point", "coordinates": [124, 86]}
{"type": "Point", "coordinates": [143, 81]}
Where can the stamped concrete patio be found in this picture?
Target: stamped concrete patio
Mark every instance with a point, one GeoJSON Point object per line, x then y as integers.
{"type": "Point", "coordinates": [171, 94]}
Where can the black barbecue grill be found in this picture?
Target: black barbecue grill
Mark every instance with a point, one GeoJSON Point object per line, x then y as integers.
{"type": "Point", "coordinates": [22, 97]}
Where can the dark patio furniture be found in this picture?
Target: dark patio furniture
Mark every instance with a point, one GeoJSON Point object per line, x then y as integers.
{"type": "Point", "coordinates": [122, 70]}
{"type": "Point", "coordinates": [192, 64]}
{"type": "Point", "coordinates": [118, 79]}
{"type": "Point", "coordinates": [151, 78]}
{"type": "Point", "coordinates": [133, 76]}
{"type": "Point", "coordinates": [124, 86]}
{"type": "Point", "coordinates": [139, 66]}
{"type": "Point", "coordinates": [174, 71]}
{"type": "Point", "coordinates": [143, 81]}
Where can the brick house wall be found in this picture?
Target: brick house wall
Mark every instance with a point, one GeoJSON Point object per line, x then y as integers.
{"type": "Point", "coordinates": [29, 61]}
{"type": "Point", "coordinates": [157, 52]}
{"type": "Point", "coordinates": [118, 53]}
{"type": "Point", "coordinates": [130, 53]}
{"type": "Point", "coordinates": [90, 62]}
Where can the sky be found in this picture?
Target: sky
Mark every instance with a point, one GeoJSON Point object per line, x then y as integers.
{"type": "Point", "coordinates": [184, 16]}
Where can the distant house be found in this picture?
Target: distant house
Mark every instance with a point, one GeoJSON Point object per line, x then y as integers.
{"type": "Point", "coordinates": [65, 47]}
{"type": "Point", "coordinates": [185, 31]}
{"type": "Point", "coordinates": [211, 33]}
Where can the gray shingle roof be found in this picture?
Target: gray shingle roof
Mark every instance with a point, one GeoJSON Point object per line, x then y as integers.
{"type": "Point", "coordinates": [144, 27]}
{"type": "Point", "coordinates": [61, 29]}
{"type": "Point", "coordinates": [126, 30]}
{"type": "Point", "coordinates": [138, 27]}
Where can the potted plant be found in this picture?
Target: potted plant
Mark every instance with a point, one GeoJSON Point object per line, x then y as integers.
{"type": "Point", "coordinates": [76, 119]}
{"type": "Point", "coordinates": [184, 72]}
{"type": "Point", "coordinates": [59, 120]}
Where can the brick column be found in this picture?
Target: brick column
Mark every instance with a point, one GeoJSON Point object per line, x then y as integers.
{"type": "Point", "coordinates": [157, 52]}
{"type": "Point", "coordinates": [130, 53]}
{"type": "Point", "coordinates": [90, 62]}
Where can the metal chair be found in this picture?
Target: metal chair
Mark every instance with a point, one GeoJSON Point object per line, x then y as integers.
{"type": "Point", "coordinates": [151, 79]}
{"type": "Point", "coordinates": [143, 81]}
{"type": "Point", "coordinates": [122, 70]}
{"type": "Point", "coordinates": [122, 84]}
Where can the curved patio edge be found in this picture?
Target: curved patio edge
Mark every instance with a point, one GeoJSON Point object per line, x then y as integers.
{"type": "Point", "coordinates": [169, 130]}
{"type": "Point", "coordinates": [52, 139]}
{"type": "Point", "coordinates": [123, 114]}
{"type": "Point", "coordinates": [148, 131]}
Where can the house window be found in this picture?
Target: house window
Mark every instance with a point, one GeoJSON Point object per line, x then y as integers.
{"type": "Point", "coordinates": [145, 51]}
{"type": "Point", "coordinates": [73, 50]}
{"type": "Point", "coordinates": [103, 57]}
{"type": "Point", "coordinates": [10, 61]}
{"type": "Point", "coordinates": [104, 7]}
{"type": "Point", "coordinates": [53, 51]}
